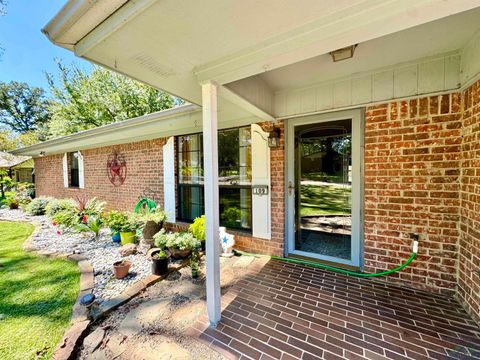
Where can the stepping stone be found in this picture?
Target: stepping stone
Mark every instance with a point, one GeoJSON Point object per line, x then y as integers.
{"type": "Point", "coordinates": [93, 341]}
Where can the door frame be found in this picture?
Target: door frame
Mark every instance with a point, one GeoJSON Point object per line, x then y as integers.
{"type": "Point", "coordinates": [357, 116]}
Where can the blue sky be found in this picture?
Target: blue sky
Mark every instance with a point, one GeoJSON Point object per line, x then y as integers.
{"type": "Point", "coordinates": [28, 53]}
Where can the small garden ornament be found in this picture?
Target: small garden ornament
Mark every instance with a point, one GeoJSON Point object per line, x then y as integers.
{"type": "Point", "coordinates": [227, 241]}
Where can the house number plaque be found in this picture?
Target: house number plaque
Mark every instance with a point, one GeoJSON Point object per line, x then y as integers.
{"type": "Point", "coordinates": [260, 190]}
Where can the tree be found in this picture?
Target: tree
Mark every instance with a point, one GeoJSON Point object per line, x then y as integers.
{"type": "Point", "coordinates": [82, 101]}
{"type": "Point", "coordinates": [23, 108]}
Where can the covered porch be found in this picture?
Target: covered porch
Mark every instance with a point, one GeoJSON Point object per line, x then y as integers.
{"type": "Point", "coordinates": [407, 84]}
{"type": "Point", "coordinates": [289, 311]}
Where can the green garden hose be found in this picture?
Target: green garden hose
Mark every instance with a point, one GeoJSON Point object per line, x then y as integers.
{"type": "Point", "coordinates": [343, 271]}
{"type": "Point", "coordinates": [151, 205]}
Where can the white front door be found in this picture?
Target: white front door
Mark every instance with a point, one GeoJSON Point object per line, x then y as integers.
{"type": "Point", "coordinates": [324, 187]}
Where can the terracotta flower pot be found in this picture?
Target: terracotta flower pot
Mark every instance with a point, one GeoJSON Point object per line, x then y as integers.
{"type": "Point", "coordinates": [121, 268]}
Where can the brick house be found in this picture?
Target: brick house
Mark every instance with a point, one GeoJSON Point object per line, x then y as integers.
{"type": "Point", "coordinates": [337, 161]}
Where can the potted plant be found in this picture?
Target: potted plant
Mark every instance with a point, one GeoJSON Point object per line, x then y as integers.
{"type": "Point", "coordinates": [12, 202]}
{"type": "Point", "coordinates": [160, 260]}
{"type": "Point", "coordinates": [180, 245]}
{"type": "Point", "coordinates": [151, 223]}
{"type": "Point", "coordinates": [128, 230]}
{"type": "Point", "coordinates": [198, 230]}
{"type": "Point", "coordinates": [115, 220]}
{"type": "Point", "coordinates": [121, 268]}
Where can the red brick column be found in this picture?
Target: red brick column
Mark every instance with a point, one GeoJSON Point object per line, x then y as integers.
{"type": "Point", "coordinates": [412, 183]}
{"type": "Point", "coordinates": [469, 243]}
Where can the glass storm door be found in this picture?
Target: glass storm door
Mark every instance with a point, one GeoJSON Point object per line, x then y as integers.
{"type": "Point", "coordinates": [323, 191]}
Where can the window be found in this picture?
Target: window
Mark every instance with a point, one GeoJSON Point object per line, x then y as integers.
{"type": "Point", "coordinates": [235, 177]}
{"type": "Point", "coordinates": [74, 175]}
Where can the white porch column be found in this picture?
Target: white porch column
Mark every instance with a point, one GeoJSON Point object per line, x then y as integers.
{"type": "Point", "coordinates": [210, 165]}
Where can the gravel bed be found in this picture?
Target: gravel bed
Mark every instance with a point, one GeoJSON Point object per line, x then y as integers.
{"type": "Point", "coordinates": [101, 253]}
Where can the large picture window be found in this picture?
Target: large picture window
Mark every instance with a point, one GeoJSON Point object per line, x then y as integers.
{"type": "Point", "coordinates": [235, 177]}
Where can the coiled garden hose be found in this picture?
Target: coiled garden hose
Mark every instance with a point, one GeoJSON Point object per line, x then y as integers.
{"type": "Point", "coordinates": [151, 205]}
{"type": "Point", "coordinates": [340, 270]}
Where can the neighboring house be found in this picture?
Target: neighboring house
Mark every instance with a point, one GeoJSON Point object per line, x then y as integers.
{"type": "Point", "coordinates": [19, 168]}
{"type": "Point", "coordinates": [399, 114]}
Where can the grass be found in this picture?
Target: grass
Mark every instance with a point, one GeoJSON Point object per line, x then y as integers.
{"type": "Point", "coordinates": [324, 200]}
{"type": "Point", "coordinates": [36, 297]}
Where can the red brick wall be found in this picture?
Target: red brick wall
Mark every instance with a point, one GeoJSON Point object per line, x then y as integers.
{"type": "Point", "coordinates": [412, 183]}
{"type": "Point", "coordinates": [145, 174]}
{"type": "Point", "coordinates": [422, 174]}
{"type": "Point", "coordinates": [469, 243]}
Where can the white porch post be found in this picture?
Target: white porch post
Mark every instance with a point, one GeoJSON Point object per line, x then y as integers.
{"type": "Point", "coordinates": [210, 165]}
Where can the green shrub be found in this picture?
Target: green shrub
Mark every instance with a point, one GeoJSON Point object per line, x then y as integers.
{"type": "Point", "coordinates": [116, 220]}
{"type": "Point", "coordinates": [37, 206]}
{"type": "Point", "coordinates": [180, 241]}
{"type": "Point", "coordinates": [198, 228]}
{"type": "Point", "coordinates": [57, 205]}
{"type": "Point", "coordinates": [68, 218]}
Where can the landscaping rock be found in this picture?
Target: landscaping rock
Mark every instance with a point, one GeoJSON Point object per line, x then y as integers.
{"type": "Point", "coordinates": [128, 249]}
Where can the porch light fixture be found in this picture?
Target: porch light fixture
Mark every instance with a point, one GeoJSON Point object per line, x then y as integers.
{"type": "Point", "coordinates": [343, 53]}
{"type": "Point", "coordinates": [42, 153]}
{"type": "Point", "coordinates": [274, 138]}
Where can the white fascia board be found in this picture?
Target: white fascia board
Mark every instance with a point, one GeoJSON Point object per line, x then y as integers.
{"type": "Point", "coordinates": [360, 23]}
{"type": "Point", "coordinates": [121, 132]}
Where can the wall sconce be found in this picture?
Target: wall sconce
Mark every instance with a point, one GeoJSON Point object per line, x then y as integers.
{"type": "Point", "coordinates": [343, 53]}
{"type": "Point", "coordinates": [274, 138]}
{"type": "Point", "coordinates": [42, 153]}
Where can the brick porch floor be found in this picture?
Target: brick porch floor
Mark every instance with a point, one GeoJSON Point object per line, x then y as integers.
{"type": "Point", "coordinates": [288, 311]}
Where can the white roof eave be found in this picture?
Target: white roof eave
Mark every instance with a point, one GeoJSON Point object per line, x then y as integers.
{"type": "Point", "coordinates": [159, 124]}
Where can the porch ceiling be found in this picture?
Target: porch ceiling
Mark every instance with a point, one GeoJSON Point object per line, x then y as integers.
{"type": "Point", "coordinates": [434, 38]}
{"type": "Point", "coordinates": [176, 45]}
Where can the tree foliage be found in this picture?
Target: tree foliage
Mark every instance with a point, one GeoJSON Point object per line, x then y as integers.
{"type": "Point", "coordinates": [83, 101]}
{"type": "Point", "coordinates": [10, 141]}
{"type": "Point", "coordinates": [23, 108]}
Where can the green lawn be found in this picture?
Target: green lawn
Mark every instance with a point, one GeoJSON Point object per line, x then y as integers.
{"type": "Point", "coordinates": [36, 297]}
{"type": "Point", "coordinates": [324, 200]}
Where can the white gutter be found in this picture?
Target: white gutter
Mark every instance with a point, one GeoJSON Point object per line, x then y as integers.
{"type": "Point", "coordinates": [114, 133]}
{"type": "Point", "coordinates": [77, 18]}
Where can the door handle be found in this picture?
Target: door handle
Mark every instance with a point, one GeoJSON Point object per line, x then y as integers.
{"type": "Point", "coordinates": [291, 188]}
